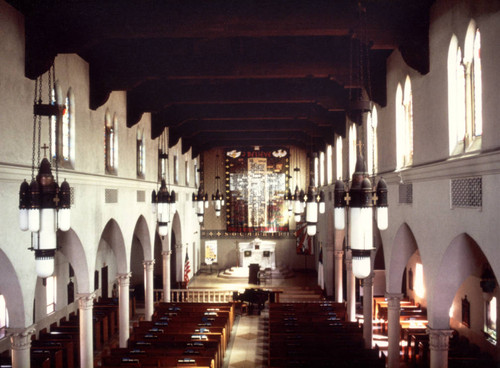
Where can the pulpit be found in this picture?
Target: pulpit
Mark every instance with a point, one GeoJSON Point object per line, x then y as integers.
{"type": "Point", "coordinates": [257, 252]}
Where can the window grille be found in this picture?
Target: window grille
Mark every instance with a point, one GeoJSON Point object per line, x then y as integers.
{"type": "Point", "coordinates": [467, 192]}
{"type": "Point", "coordinates": [141, 196]}
{"type": "Point", "coordinates": [406, 193]}
{"type": "Point", "coordinates": [111, 196]}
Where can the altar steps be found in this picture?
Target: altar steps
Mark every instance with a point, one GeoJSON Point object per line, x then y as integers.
{"type": "Point", "coordinates": [241, 273]}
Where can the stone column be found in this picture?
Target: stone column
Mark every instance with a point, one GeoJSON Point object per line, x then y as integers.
{"type": "Point", "coordinates": [328, 264]}
{"type": "Point", "coordinates": [166, 275]}
{"type": "Point", "coordinates": [85, 308]}
{"type": "Point", "coordinates": [351, 288]}
{"type": "Point", "coordinates": [368, 311]}
{"type": "Point", "coordinates": [439, 341]}
{"type": "Point", "coordinates": [393, 329]}
{"type": "Point", "coordinates": [124, 308]}
{"type": "Point", "coordinates": [20, 343]}
{"type": "Point", "coordinates": [339, 295]}
{"type": "Point", "coordinates": [148, 289]}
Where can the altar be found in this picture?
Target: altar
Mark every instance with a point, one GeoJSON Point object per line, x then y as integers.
{"type": "Point", "coordinates": [258, 251]}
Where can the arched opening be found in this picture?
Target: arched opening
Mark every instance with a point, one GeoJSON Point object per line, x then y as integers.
{"type": "Point", "coordinates": [10, 288]}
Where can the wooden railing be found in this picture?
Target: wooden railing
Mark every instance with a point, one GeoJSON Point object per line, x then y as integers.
{"type": "Point", "coordinates": [196, 295]}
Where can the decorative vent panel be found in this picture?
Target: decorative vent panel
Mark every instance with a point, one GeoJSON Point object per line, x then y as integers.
{"type": "Point", "coordinates": [406, 193]}
{"type": "Point", "coordinates": [141, 196]}
{"type": "Point", "coordinates": [111, 196]}
{"type": "Point", "coordinates": [467, 192]}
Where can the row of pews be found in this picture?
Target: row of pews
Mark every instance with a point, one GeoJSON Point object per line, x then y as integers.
{"type": "Point", "coordinates": [59, 346]}
{"type": "Point", "coordinates": [179, 335]}
{"type": "Point", "coordinates": [317, 335]}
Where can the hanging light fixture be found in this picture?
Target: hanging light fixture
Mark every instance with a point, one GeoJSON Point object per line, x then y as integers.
{"type": "Point", "coordinates": [200, 199]}
{"type": "Point", "coordinates": [44, 205]}
{"type": "Point", "coordinates": [217, 198]}
{"type": "Point", "coordinates": [163, 201]}
{"type": "Point", "coordinates": [359, 202]}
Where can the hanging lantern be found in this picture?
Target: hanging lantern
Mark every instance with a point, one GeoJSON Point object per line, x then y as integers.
{"type": "Point", "coordinates": [359, 200]}
{"type": "Point", "coordinates": [200, 200]}
{"type": "Point", "coordinates": [311, 211]}
{"type": "Point", "coordinates": [218, 200]}
{"type": "Point", "coordinates": [163, 215]}
{"type": "Point", "coordinates": [163, 201]}
{"type": "Point", "coordinates": [320, 198]}
{"type": "Point", "coordinates": [339, 205]}
{"type": "Point", "coordinates": [298, 207]}
{"type": "Point", "coordinates": [382, 205]}
{"type": "Point", "coordinates": [44, 206]}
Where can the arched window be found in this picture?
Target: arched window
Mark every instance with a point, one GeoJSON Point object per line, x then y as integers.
{"type": "Point", "coordinates": [63, 128]}
{"type": "Point", "coordinates": [408, 121]}
{"type": "Point", "coordinates": [322, 168]}
{"type": "Point", "coordinates": [329, 164]}
{"type": "Point", "coordinates": [110, 143]}
{"type": "Point", "coordinates": [456, 98]}
{"type": "Point", "coordinates": [51, 293]}
{"type": "Point", "coordinates": [404, 125]}
{"type": "Point", "coordinates": [338, 158]}
{"type": "Point", "coordinates": [141, 154]}
{"type": "Point", "coordinates": [371, 142]}
{"type": "Point", "coordinates": [473, 88]}
{"type": "Point", "coordinates": [465, 93]}
{"type": "Point", "coordinates": [187, 170]}
{"type": "Point", "coordinates": [317, 178]}
{"type": "Point", "coordinates": [196, 173]}
{"type": "Point", "coordinates": [4, 317]}
{"type": "Point", "coordinates": [352, 149]}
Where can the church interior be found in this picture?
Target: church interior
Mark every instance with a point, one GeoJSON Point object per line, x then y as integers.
{"type": "Point", "coordinates": [234, 184]}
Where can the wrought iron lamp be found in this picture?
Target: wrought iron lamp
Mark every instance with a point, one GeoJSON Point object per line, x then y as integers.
{"type": "Point", "coordinates": [201, 201]}
{"type": "Point", "coordinates": [217, 198]}
{"type": "Point", "coordinates": [163, 201]}
{"type": "Point", "coordinates": [44, 205]}
{"type": "Point", "coordinates": [358, 201]}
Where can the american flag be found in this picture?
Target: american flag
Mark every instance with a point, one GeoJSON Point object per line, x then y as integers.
{"type": "Point", "coordinates": [187, 270]}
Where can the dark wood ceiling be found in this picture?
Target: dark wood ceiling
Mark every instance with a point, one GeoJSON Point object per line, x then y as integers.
{"type": "Point", "coordinates": [231, 72]}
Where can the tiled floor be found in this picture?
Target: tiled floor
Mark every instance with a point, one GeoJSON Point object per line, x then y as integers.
{"type": "Point", "coordinates": [248, 346]}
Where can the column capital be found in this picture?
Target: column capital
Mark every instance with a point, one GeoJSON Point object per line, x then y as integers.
{"type": "Point", "coordinates": [20, 338]}
{"type": "Point", "coordinates": [393, 300]}
{"type": "Point", "coordinates": [86, 300]}
{"type": "Point", "coordinates": [439, 339]}
{"type": "Point", "coordinates": [148, 264]}
{"type": "Point", "coordinates": [166, 253]}
{"type": "Point", "coordinates": [368, 281]}
{"type": "Point", "coordinates": [124, 278]}
{"type": "Point", "coordinates": [339, 253]}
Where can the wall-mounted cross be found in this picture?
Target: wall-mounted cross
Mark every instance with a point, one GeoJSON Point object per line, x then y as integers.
{"type": "Point", "coordinates": [45, 147]}
{"type": "Point", "coordinates": [360, 147]}
{"type": "Point", "coordinates": [347, 198]}
{"type": "Point", "coordinates": [375, 198]}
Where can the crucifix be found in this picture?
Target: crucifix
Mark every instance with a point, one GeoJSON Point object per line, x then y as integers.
{"type": "Point", "coordinates": [360, 147]}
{"type": "Point", "coordinates": [45, 147]}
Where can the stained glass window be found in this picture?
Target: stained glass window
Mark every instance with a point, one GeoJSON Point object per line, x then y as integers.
{"type": "Point", "coordinates": [256, 181]}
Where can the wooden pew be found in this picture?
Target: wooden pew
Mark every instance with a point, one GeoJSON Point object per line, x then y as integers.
{"type": "Point", "coordinates": [65, 346]}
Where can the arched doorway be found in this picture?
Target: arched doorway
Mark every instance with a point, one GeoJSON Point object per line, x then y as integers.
{"type": "Point", "coordinates": [173, 263]}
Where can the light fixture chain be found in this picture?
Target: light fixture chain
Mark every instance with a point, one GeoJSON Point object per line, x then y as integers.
{"type": "Point", "coordinates": [39, 139]}
{"type": "Point", "coordinates": [34, 134]}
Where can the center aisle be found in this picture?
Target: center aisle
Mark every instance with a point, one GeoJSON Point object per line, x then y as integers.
{"type": "Point", "coordinates": [248, 347]}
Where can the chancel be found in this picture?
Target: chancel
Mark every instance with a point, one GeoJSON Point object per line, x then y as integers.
{"type": "Point", "coordinates": [259, 252]}
{"type": "Point", "coordinates": [263, 183]}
